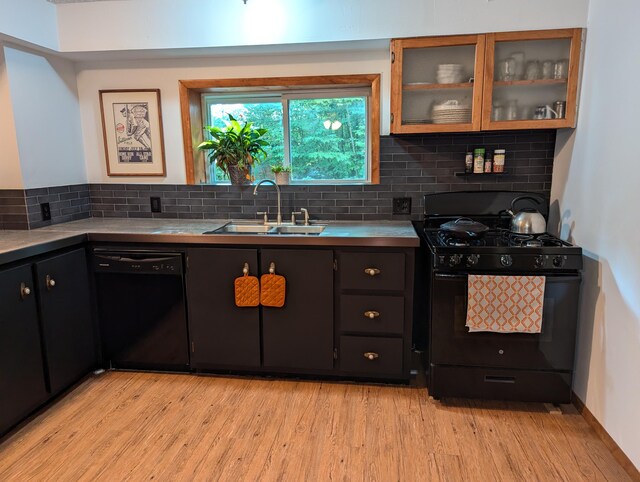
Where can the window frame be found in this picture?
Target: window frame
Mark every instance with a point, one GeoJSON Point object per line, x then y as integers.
{"type": "Point", "coordinates": [284, 97]}
{"type": "Point", "coordinates": [191, 107]}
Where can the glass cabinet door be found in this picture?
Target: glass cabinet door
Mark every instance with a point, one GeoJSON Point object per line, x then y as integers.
{"type": "Point", "coordinates": [436, 84]}
{"type": "Point", "coordinates": [531, 79]}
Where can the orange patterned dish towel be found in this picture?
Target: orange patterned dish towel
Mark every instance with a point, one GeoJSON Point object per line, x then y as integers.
{"type": "Point", "coordinates": [272, 289]}
{"type": "Point", "coordinates": [247, 290]}
{"type": "Point", "coordinates": [505, 304]}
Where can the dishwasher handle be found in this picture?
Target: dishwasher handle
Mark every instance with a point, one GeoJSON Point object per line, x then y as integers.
{"type": "Point", "coordinates": [136, 262]}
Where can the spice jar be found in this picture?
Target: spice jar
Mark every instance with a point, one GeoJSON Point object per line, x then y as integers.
{"type": "Point", "coordinates": [478, 160]}
{"type": "Point", "coordinates": [498, 160]}
{"type": "Point", "coordinates": [488, 162]}
{"type": "Point", "coordinates": [468, 163]}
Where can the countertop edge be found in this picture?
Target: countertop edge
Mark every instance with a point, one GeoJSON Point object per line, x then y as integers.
{"type": "Point", "coordinates": [221, 239]}
{"type": "Point", "coordinates": [42, 248]}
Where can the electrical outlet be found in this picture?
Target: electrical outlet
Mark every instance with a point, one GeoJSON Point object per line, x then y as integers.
{"type": "Point", "coordinates": [156, 206]}
{"type": "Point", "coordinates": [401, 205]}
{"type": "Point", "coordinates": [45, 209]}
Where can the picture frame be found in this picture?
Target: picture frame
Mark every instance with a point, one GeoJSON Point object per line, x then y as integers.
{"type": "Point", "coordinates": [132, 132]}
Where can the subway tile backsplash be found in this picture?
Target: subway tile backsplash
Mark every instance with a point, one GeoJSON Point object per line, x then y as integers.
{"type": "Point", "coordinates": [410, 166]}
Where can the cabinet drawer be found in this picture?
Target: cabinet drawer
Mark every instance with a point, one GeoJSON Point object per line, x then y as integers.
{"type": "Point", "coordinates": [386, 353]}
{"type": "Point", "coordinates": [372, 314]}
{"type": "Point", "coordinates": [387, 274]}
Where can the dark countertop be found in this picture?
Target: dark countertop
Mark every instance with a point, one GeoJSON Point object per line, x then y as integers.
{"type": "Point", "coordinates": [15, 245]}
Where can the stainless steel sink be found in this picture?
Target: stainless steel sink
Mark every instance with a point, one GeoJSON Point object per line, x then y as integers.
{"type": "Point", "coordinates": [314, 229]}
{"type": "Point", "coordinates": [242, 228]}
{"type": "Point", "coordinates": [239, 228]}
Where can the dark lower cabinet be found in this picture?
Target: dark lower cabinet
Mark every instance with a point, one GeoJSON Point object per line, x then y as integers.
{"type": "Point", "coordinates": [299, 336]}
{"type": "Point", "coordinates": [46, 332]}
{"type": "Point", "coordinates": [65, 308]}
{"type": "Point", "coordinates": [22, 383]}
{"type": "Point", "coordinates": [222, 335]}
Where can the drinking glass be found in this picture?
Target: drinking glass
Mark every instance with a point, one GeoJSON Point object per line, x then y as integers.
{"type": "Point", "coordinates": [512, 110]}
{"type": "Point", "coordinates": [547, 69]}
{"type": "Point", "coordinates": [560, 69]}
{"type": "Point", "coordinates": [507, 69]}
{"type": "Point", "coordinates": [532, 72]}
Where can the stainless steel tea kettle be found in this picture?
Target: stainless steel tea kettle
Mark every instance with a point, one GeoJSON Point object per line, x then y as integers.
{"type": "Point", "coordinates": [528, 220]}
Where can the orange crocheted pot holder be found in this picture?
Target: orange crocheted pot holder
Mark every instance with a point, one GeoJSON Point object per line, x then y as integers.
{"type": "Point", "coordinates": [247, 290]}
{"type": "Point", "coordinates": [272, 289]}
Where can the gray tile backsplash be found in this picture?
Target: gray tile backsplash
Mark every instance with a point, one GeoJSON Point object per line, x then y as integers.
{"type": "Point", "coordinates": [67, 203]}
{"type": "Point", "coordinates": [410, 166]}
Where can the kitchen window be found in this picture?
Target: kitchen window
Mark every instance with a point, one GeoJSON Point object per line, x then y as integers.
{"type": "Point", "coordinates": [326, 129]}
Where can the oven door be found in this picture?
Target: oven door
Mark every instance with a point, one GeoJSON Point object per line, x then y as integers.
{"type": "Point", "coordinates": [552, 349]}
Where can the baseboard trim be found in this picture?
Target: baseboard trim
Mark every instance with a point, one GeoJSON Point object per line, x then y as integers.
{"type": "Point", "coordinates": [613, 447]}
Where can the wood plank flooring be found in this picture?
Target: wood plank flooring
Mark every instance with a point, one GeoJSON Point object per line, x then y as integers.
{"type": "Point", "coordinates": [147, 426]}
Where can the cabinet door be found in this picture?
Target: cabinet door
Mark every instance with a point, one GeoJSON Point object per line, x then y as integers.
{"type": "Point", "coordinates": [222, 335]}
{"type": "Point", "coordinates": [436, 84]}
{"type": "Point", "coordinates": [531, 79]}
{"type": "Point", "coordinates": [68, 330]}
{"type": "Point", "coordinates": [300, 334]}
{"type": "Point", "coordinates": [22, 384]}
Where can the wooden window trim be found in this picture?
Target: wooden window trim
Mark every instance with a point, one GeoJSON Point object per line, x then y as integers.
{"type": "Point", "coordinates": [191, 109]}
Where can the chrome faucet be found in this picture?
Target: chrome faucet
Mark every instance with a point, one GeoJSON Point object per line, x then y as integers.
{"type": "Point", "coordinates": [255, 192]}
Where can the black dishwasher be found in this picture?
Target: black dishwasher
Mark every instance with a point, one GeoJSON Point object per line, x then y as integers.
{"type": "Point", "coordinates": [141, 309]}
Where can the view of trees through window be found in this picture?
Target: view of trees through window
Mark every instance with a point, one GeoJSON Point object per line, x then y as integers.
{"type": "Point", "coordinates": [326, 138]}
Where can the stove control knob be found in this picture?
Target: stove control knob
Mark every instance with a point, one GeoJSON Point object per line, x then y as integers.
{"type": "Point", "coordinates": [472, 260]}
{"type": "Point", "coordinates": [506, 260]}
{"type": "Point", "coordinates": [558, 261]}
{"type": "Point", "coordinates": [539, 262]}
{"type": "Point", "coordinates": [454, 260]}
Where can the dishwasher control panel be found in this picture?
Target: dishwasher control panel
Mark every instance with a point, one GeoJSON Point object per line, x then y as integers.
{"type": "Point", "coordinates": [148, 262]}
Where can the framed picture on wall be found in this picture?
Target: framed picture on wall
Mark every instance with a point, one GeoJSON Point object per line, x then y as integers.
{"type": "Point", "coordinates": [132, 132]}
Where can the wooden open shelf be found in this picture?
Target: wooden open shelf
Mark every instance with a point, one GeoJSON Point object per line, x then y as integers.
{"type": "Point", "coordinates": [425, 86]}
{"type": "Point", "coordinates": [501, 83]}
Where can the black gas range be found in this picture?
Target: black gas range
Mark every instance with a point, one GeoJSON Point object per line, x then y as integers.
{"type": "Point", "coordinates": [511, 366]}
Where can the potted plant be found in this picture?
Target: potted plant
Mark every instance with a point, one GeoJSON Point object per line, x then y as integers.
{"type": "Point", "coordinates": [282, 173]}
{"type": "Point", "coordinates": [235, 148]}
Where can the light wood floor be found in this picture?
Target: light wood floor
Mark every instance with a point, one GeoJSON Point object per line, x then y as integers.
{"type": "Point", "coordinates": [135, 426]}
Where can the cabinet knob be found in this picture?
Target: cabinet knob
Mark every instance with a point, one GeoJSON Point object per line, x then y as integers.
{"type": "Point", "coordinates": [24, 290]}
{"type": "Point", "coordinates": [371, 314]}
{"type": "Point", "coordinates": [50, 282]}
{"type": "Point", "coordinates": [371, 355]}
{"type": "Point", "coordinates": [372, 271]}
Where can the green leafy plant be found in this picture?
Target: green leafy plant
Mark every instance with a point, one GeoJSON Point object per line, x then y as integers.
{"type": "Point", "coordinates": [235, 145]}
{"type": "Point", "coordinates": [276, 168]}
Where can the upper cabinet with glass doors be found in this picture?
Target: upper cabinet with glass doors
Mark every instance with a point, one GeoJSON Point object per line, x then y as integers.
{"type": "Point", "coordinates": [522, 80]}
{"type": "Point", "coordinates": [436, 84]}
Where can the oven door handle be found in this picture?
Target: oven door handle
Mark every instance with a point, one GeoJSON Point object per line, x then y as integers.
{"type": "Point", "coordinates": [450, 276]}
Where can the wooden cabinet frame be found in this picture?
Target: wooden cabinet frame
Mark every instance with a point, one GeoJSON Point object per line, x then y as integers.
{"type": "Point", "coordinates": [397, 49]}
{"type": "Point", "coordinates": [484, 81]}
{"type": "Point", "coordinates": [575, 35]}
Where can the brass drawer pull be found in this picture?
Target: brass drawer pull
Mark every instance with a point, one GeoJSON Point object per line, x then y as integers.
{"type": "Point", "coordinates": [371, 355]}
{"type": "Point", "coordinates": [371, 314]}
{"type": "Point", "coordinates": [372, 271]}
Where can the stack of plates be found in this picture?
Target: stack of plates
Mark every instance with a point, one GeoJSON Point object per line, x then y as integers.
{"type": "Point", "coordinates": [450, 74]}
{"type": "Point", "coordinates": [451, 112]}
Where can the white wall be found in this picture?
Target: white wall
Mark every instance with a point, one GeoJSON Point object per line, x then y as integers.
{"type": "Point", "coordinates": [32, 21]}
{"type": "Point", "coordinates": [47, 118]}
{"type": "Point", "coordinates": [10, 174]}
{"type": "Point", "coordinates": [162, 24]}
{"type": "Point", "coordinates": [596, 191]}
{"type": "Point", "coordinates": [164, 74]}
